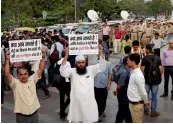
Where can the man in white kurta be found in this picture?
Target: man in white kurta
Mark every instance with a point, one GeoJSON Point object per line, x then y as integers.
{"type": "Point", "coordinates": [83, 106]}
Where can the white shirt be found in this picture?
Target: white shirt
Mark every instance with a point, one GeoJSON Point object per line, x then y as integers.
{"type": "Point", "coordinates": [136, 89]}
{"type": "Point", "coordinates": [67, 65]}
{"type": "Point", "coordinates": [157, 43]}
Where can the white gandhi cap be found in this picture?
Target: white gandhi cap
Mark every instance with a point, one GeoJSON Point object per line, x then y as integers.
{"type": "Point", "coordinates": [80, 58]}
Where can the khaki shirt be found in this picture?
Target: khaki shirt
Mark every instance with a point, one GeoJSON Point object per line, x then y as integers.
{"type": "Point", "coordinates": [149, 31]}
{"type": "Point", "coordinates": [163, 30]}
{"type": "Point", "coordinates": [140, 28]}
{"type": "Point", "coordinates": [134, 29]}
{"type": "Point", "coordinates": [169, 30]}
{"type": "Point", "coordinates": [25, 96]}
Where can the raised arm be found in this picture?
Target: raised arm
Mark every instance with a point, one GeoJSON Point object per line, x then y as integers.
{"type": "Point", "coordinates": [102, 63]}
{"type": "Point", "coordinates": [7, 68]}
{"type": "Point", "coordinates": [42, 64]}
{"type": "Point", "coordinates": [65, 70]}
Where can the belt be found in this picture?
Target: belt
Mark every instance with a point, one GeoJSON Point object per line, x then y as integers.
{"type": "Point", "coordinates": [135, 103]}
{"type": "Point", "coordinates": [134, 32]}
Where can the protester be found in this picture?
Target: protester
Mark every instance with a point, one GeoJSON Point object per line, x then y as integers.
{"type": "Point", "coordinates": [24, 89]}
{"type": "Point", "coordinates": [83, 106]}
{"type": "Point", "coordinates": [127, 51]}
{"type": "Point", "coordinates": [157, 44]}
{"type": "Point", "coordinates": [63, 85]}
{"type": "Point", "coordinates": [117, 41]}
{"type": "Point", "coordinates": [136, 89]}
{"type": "Point", "coordinates": [152, 69]}
{"type": "Point", "coordinates": [137, 49]}
{"type": "Point", "coordinates": [105, 50]}
{"type": "Point", "coordinates": [102, 83]}
{"type": "Point", "coordinates": [46, 63]}
{"type": "Point", "coordinates": [121, 92]}
{"type": "Point", "coordinates": [106, 31]}
{"type": "Point", "coordinates": [126, 42]}
{"type": "Point", "coordinates": [144, 40]}
{"type": "Point", "coordinates": [167, 61]}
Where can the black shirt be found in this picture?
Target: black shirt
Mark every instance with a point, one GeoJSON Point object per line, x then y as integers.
{"type": "Point", "coordinates": [146, 62]}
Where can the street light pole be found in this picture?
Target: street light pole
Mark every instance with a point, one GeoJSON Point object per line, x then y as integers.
{"type": "Point", "coordinates": [75, 9]}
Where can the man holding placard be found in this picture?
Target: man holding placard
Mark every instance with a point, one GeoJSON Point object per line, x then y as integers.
{"type": "Point", "coordinates": [24, 89]}
{"type": "Point", "coordinates": [83, 106]}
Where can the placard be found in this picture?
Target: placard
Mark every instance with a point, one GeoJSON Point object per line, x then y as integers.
{"type": "Point", "coordinates": [83, 44]}
{"type": "Point", "coordinates": [25, 50]}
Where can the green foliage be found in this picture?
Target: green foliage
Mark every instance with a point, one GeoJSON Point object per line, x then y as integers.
{"type": "Point", "coordinates": [29, 12]}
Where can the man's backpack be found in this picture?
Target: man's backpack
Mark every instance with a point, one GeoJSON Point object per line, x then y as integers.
{"type": "Point", "coordinates": [54, 57]}
{"type": "Point", "coordinates": [57, 79]}
{"type": "Point", "coordinates": [116, 73]}
{"type": "Point", "coordinates": [154, 74]}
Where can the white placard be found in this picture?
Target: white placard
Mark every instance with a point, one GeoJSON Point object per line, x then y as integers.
{"type": "Point", "coordinates": [83, 44]}
{"type": "Point", "coordinates": [25, 50]}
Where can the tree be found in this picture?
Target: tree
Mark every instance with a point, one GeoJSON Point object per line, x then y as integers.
{"type": "Point", "coordinates": [106, 8]}
{"type": "Point", "coordinates": [161, 6]}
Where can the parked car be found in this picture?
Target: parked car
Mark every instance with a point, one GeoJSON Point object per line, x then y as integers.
{"type": "Point", "coordinates": [55, 27]}
{"type": "Point", "coordinates": [69, 30]}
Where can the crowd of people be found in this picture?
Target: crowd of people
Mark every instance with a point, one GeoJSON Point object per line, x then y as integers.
{"type": "Point", "coordinates": [86, 79]}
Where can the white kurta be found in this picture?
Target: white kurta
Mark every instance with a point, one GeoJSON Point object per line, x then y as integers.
{"type": "Point", "coordinates": [83, 106]}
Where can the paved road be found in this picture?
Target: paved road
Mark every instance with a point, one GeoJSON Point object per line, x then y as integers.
{"type": "Point", "coordinates": [49, 107]}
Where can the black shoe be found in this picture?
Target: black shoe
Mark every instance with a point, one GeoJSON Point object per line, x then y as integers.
{"type": "Point", "coordinates": [103, 114]}
{"type": "Point", "coordinates": [47, 96]}
{"type": "Point", "coordinates": [63, 116]}
{"type": "Point", "coordinates": [164, 95]}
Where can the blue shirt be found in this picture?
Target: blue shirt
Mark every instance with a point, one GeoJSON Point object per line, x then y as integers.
{"type": "Point", "coordinates": [101, 79]}
{"type": "Point", "coordinates": [123, 81]}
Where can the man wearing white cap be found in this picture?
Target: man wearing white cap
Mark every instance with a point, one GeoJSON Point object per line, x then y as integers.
{"type": "Point", "coordinates": [83, 106]}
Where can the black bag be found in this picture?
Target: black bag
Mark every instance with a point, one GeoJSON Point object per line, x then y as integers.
{"type": "Point", "coordinates": [154, 72]}
{"type": "Point", "coordinates": [57, 79]}
{"type": "Point", "coordinates": [54, 57]}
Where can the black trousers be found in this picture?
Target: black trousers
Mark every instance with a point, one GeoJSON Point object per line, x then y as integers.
{"type": "Point", "coordinates": [64, 89]}
{"type": "Point", "coordinates": [157, 52]}
{"type": "Point", "coordinates": [123, 111]}
{"type": "Point", "coordinates": [168, 72]}
{"type": "Point", "coordinates": [50, 73]}
{"type": "Point", "coordinates": [21, 118]}
{"type": "Point", "coordinates": [101, 98]}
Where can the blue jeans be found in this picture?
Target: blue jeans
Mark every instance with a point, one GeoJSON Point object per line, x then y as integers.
{"type": "Point", "coordinates": [154, 90]}
{"type": "Point", "coordinates": [46, 73]}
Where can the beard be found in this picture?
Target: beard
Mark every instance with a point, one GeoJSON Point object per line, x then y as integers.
{"type": "Point", "coordinates": [81, 71]}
